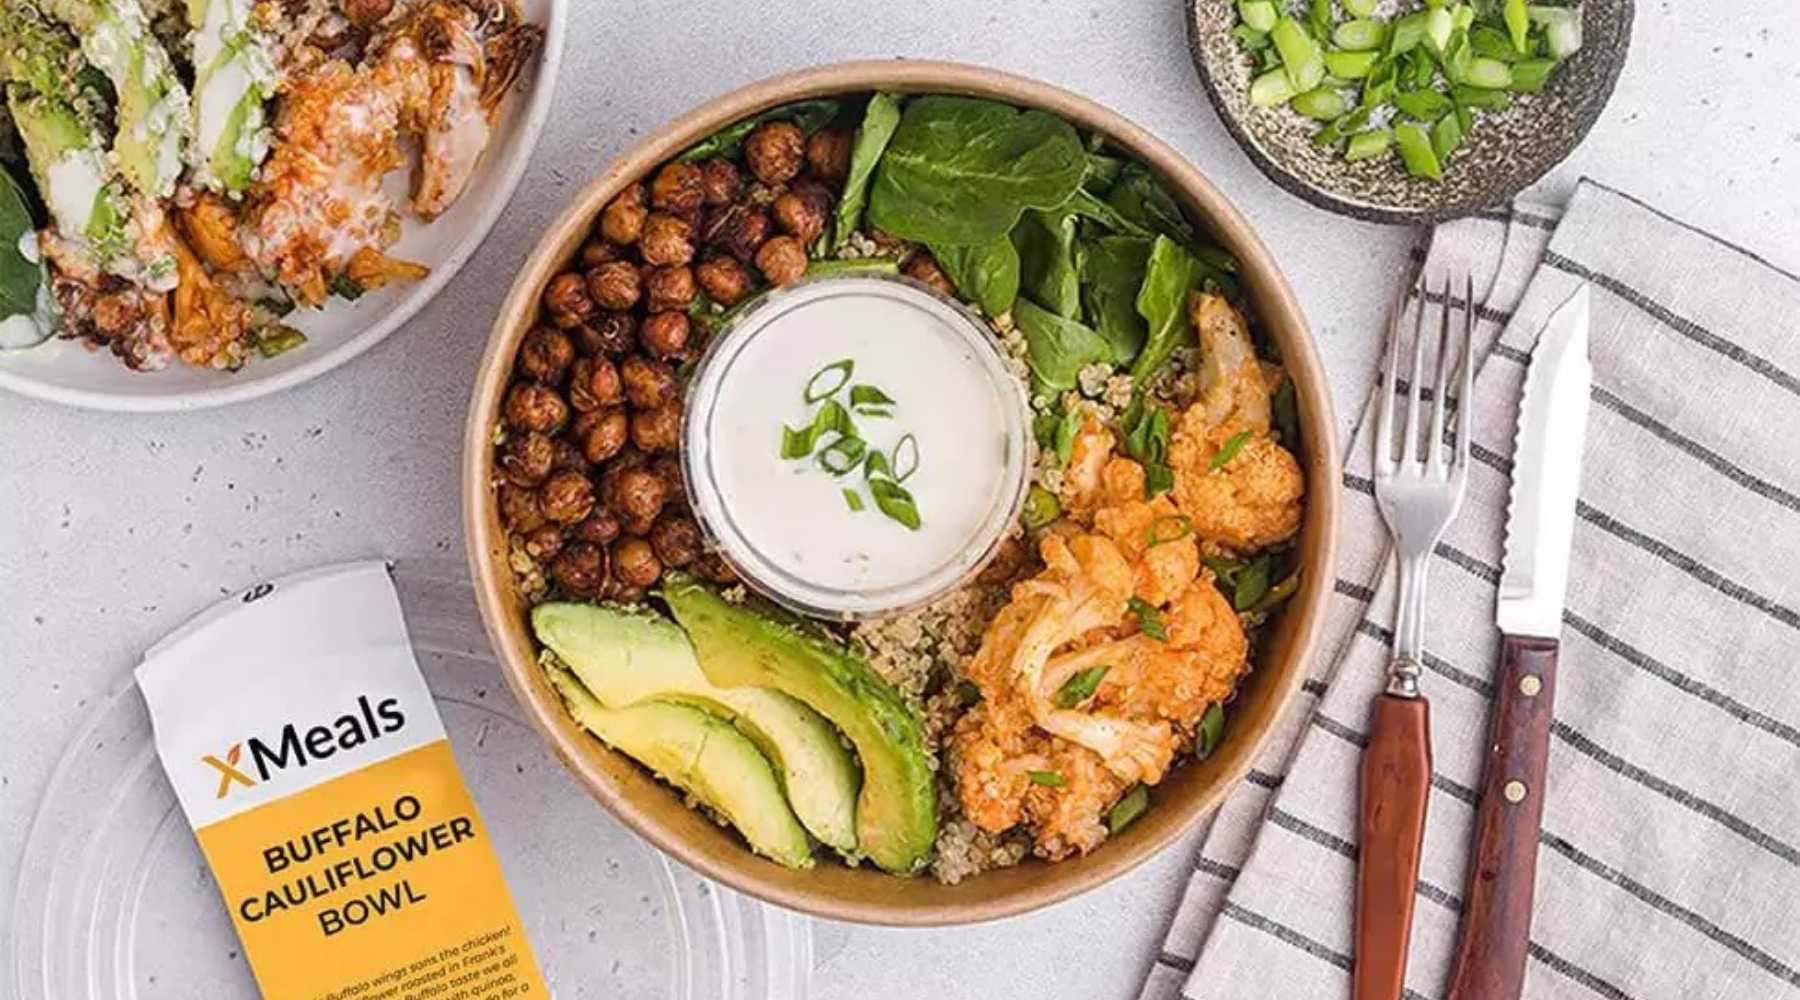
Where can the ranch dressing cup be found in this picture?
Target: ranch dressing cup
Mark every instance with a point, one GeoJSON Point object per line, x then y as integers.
{"type": "Point", "coordinates": [910, 509]}
{"type": "Point", "coordinates": [312, 763]}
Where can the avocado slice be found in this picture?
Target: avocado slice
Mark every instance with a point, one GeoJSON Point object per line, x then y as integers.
{"type": "Point", "coordinates": [700, 754]}
{"type": "Point", "coordinates": [896, 812]}
{"type": "Point", "coordinates": [628, 657]}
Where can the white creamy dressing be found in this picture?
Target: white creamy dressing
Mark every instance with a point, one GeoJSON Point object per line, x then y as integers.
{"type": "Point", "coordinates": [234, 69]}
{"type": "Point", "coordinates": [72, 186]}
{"type": "Point", "coordinates": [793, 513]}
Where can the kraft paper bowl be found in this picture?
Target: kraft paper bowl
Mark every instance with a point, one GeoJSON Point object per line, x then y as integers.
{"type": "Point", "coordinates": [830, 889]}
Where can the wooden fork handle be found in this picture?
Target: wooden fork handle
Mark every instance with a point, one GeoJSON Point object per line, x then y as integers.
{"type": "Point", "coordinates": [1496, 924]}
{"type": "Point", "coordinates": [1396, 782]}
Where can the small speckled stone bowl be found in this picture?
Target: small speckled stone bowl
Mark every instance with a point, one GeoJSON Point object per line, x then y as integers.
{"type": "Point", "coordinates": [1503, 154]}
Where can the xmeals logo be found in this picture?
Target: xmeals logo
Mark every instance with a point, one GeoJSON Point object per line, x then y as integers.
{"type": "Point", "coordinates": [297, 747]}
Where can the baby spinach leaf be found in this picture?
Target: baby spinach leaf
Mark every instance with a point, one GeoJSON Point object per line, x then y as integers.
{"type": "Point", "coordinates": [811, 116]}
{"type": "Point", "coordinates": [1057, 348]}
{"type": "Point", "coordinates": [880, 119]}
{"type": "Point", "coordinates": [1046, 245]}
{"type": "Point", "coordinates": [1139, 197]}
{"type": "Point", "coordinates": [1162, 302]}
{"type": "Point", "coordinates": [20, 278]}
{"type": "Point", "coordinates": [961, 170]}
{"type": "Point", "coordinates": [1102, 172]}
{"type": "Point", "coordinates": [1087, 206]}
{"type": "Point", "coordinates": [985, 273]}
{"type": "Point", "coordinates": [1112, 271]}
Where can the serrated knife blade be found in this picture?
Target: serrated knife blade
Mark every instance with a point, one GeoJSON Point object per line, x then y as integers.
{"type": "Point", "coordinates": [1540, 519]}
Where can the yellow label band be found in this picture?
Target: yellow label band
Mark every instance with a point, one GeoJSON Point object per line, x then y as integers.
{"type": "Point", "coordinates": [379, 883]}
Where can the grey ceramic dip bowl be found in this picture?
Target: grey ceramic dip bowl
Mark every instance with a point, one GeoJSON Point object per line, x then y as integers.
{"type": "Point", "coordinates": [1506, 151]}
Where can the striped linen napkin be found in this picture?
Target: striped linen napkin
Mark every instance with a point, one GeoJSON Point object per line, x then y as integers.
{"type": "Point", "coordinates": [1669, 863]}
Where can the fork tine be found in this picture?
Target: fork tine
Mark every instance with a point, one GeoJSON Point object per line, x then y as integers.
{"type": "Point", "coordinates": [1384, 428]}
{"type": "Point", "coordinates": [1409, 445]}
{"type": "Point", "coordinates": [1465, 395]}
{"type": "Point", "coordinates": [1436, 452]}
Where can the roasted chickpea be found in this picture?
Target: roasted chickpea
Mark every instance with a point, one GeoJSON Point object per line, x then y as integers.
{"type": "Point", "coordinates": [532, 406]}
{"type": "Point", "coordinates": [657, 430]}
{"type": "Point", "coordinates": [600, 527]}
{"type": "Point", "coordinates": [526, 458]}
{"type": "Point", "coordinates": [678, 187]}
{"type": "Point", "coordinates": [607, 437]}
{"type": "Point", "coordinates": [584, 423]}
{"type": "Point", "coordinates": [714, 567]}
{"type": "Point", "coordinates": [545, 542]}
{"type": "Point", "coordinates": [566, 497]}
{"type": "Point", "coordinates": [640, 500]}
{"type": "Point", "coordinates": [567, 301]}
{"type": "Point", "coordinates": [568, 457]}
{"type": "Point", "coordinates": [743, 232]}
{"type": "Point", "coordinates": [603, 382]}
{"type": "Point", "coordinates": [669, 288]}
{"type": "Point", "coordinates": [782, 260]}
{"type": "Point", "coordinates": [615, 470]}
{"type": "Point", "coordinates": [668, 469]}
{"type": "Point", "coordinates": [677, 541]}
{"type": "Point", "coordinates": [580, 569]}
{"type": "Point", "coordinates": [723, 279]}
{"type": "Point", "coordinates": [635, 563]}
{"type": "Point", "coordinates": [801, 211]}
{"type": "Point", "coordinates": [774, 150]}
{"type": "Point", "coordinates": [545, 354]}
{"type": "Point", "coordinates": [721, 180]}
{"type": "Point", "coordinates": [627, 596]}
{"type": "Point", "coordinates": [668, 239]}
{"type": "Point", "coordinates": [597, 252]}
{"type": "Point", "coordinates": [665, 334]}
{"type": "Point", "coordinates": [648, 384]}
{"type": "Point", "coordinates": [609, 333]}
{"type": "Point", "coordinates": [828, 153]}
{"type": "Point", "coordinates": [615, 285]}
{"type": "Point", "coordinates": [923, 267]}
{"type": "Point", "coordinates": [519, 509]}
{"type": "Point", "coordinates": [622, 222]}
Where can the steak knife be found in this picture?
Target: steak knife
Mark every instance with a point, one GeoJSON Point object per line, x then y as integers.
{"type": "Point", "coordinates": [1540, 523]}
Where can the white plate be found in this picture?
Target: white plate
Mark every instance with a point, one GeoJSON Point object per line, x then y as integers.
{"type": "Point", "coordinates": [67, 372]}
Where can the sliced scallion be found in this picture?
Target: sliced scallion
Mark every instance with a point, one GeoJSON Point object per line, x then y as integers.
{"type": "Point", "coordinates": [1149, 619]}
{"type": "Point", "coordinates": [1322, 103]}
{"type": "Point", "coordinates": [1415, 149]}
{"type": "Point", "coordinates": [853, 500]}
{"type": "Point", "coordinates": [1081, 686]}
{"type": "Point", "coordinates": [1127, 810]}
{"type": "Point", "coordinates": [1229, 450]}
{"type": "Point", "coordinates": [868, 395]}
{"type": "Point", "coordinates": [828, 380]}
{"type": "Point", "coordinates": [842, 455]}
{"type": "Point", "coordinates": [1350, 65]}
{"type": "Point", "coordinates": [906, 458]}
{"type": "Point", "coordinates": [1368, 145]}
{"type": "Point", "coordinates": [1271, 88]}
{"type": "Point", "coordinates": [1049, 779]}
{"type": "Point", "coordinates": [1171, 528]}
{"type": "Point", "coordinates": [1041, 508]}
{"type": "Point", "coordinates": [1358, 35]}
{"type": "Point", "coordinates": [1300, 55]}
{"type": "Point", "coordinates": [1257, 15]}
{"type": "Point", "coordinates": [1212, 725]}
{"type": "Point", "coordinates": [1530, 75]}
{"type": "Point", "coordinates": [1251, 584]}
{"type": "Point", "coordinates": [893, 500]}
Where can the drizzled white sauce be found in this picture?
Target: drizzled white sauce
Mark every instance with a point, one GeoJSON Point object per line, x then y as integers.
{"type": "Point", "coordinates": [791, 515]}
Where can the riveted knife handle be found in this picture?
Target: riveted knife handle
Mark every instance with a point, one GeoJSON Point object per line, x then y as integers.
{"type": "Point", "coordinates": [1396, 782]}
{"type": "Point", "coordinates": [1496, 924]}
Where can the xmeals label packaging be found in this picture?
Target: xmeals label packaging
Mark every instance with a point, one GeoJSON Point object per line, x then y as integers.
{"type": "Point", "coordinates": [310, 759]}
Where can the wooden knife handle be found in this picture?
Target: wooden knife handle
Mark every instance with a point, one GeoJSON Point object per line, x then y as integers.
{"type": "Point", "coordinates": [1396, 782]}
{"type": "Point", "coordinates": [1496, 923]}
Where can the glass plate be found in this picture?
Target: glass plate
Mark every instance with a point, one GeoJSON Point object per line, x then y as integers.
{"type": "Point", "coordinates": [115, 901]}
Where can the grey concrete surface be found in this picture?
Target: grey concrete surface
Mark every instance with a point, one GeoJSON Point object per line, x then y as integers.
{"type": "Point", "coordinates": [115, 528]}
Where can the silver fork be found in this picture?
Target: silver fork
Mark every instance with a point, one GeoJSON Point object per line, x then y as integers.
{"type": "Point", "coordinates": [1419, 486]}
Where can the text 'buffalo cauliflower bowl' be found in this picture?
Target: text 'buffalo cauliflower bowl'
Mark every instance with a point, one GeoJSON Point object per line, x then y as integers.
{"type": "Point", "coordinates": [902, 470]}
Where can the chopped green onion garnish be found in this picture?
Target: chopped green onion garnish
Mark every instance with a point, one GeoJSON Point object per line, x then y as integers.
{"type": "Point", "coordinates": [1172, 528]}
{"type": "Point", "coordinates": [1229, 450]}
{"type": "Point", "coordinates": [842, 455]}
{"type": "Point", "coordinates": [1350, 65]}
{"type": "Point", "coordinates": [906, 458]}
{"type": "Point", "coordinates": [1049, 779]}
{"type": "Point", "coordinates": [1368, 145]}
{"type": "Point", "coordinates": [967, 693]}
{"type": "Point", "coordinates": [1041, 508]}
{"type": "Point", "coordinates": [867, 395]}
{"type": "Point", "coordinates": [1066, 429]}
{"type": "Point", "coordinates": [1257, 15]}
{"type": "Point", "coordinates": [833, 377]}
{"type": "Point", "coordinates": [1300, 55]}
{"type": "Point", "coordinates": [278, 340]}
{"type": "Point", "coordinates": [1211, 725]}
{"type": "Point", "coordinates": [893, 500]}
{"type": "Point", "coordinates": [1358, 35]}
{"type": "Point", "coordinates": [1149, 619]}
{"type": "Point", "coordinates": [1271, 88]}
{"type": "Point", "coordinates": [1415, 149]}
{"type": "Point", "coordinates": [1322, 103]}
{"type": "Point", "coordinates": [830, 417]}
{"type": "Point", "coordinates": [1530, 75]}
{"type": "Point", "coordinates": [853, 499]}
{"type": "Point", "coordinates": [1127, 810]}
{"type": "Point", "coordinates": [1080, 687]}
{"type": "Point", "coordinates": [1280, 592]}
{"type": "Point", "coordinates": [1446, 135]}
